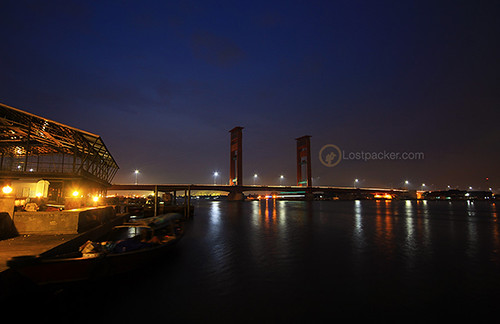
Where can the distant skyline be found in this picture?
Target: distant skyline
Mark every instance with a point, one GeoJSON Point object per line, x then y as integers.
{"type": "Point", "coordinates": [163, 82]}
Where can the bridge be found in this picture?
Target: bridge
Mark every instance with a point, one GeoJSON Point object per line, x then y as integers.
{"type": "Point", "coordinates": [253, 188]}
{"type": "Point", "coordinates": [236, 188]}
{"type": "Point", "coordinates": [237, 191]}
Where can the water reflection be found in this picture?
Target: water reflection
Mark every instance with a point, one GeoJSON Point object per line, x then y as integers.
{"type": "Point", "coordinates": [215, 218]}
{"type": "Point", "coordinates": [402, 229]}
{"type": "Point", "coordinates": [471, 211]}
{"type": "Point", "coordinates": [471, 230]}
{"type": "Point", "coordinates": [358, 225]}
{"type": "Point", "coordinates": [410, 242]}
{"type": "Point", "coordinates": [358, 235]}
{"type": "Point", "coordinates": [275, 241]}
{"type": "Point", "coordinates": [404, 232]}
{"type": "Point", "coordinates": [215, 212]}
{"type": "Point", "coordinates": [384, 228]}
{"type": "Point", "coordinates": [495, 232]}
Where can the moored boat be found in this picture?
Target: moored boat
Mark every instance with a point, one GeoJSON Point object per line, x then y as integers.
{"type": "Point", "coordinates": [125, 248]}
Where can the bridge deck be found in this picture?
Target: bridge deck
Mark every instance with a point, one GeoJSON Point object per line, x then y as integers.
{"type": "Point", "coordinates": [229, 188]}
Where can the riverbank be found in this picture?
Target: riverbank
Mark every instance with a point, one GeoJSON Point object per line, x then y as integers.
{"type": "Point", "coordinates": [33, 244]}
{"type": "Point", "coordinates": [44, 245]}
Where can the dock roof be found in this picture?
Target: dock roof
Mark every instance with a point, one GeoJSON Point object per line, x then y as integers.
{"type": "Point", "coordinates": [26, 134]}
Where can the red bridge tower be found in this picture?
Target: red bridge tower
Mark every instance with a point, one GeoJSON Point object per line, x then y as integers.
{"type": "Point", "coordinates": [304, 161]}
{"type": "Point", "coordinates": [235, 161]}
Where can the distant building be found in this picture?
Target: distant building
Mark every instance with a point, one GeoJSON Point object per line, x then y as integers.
{"type": "Point", "coordinates": [50, 162]}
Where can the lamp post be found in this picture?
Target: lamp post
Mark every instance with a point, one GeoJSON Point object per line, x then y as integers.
{"type": "Point", "coordinates": [254, 178]}
{"type": "Point", "coordinates": [281, 179]}
{"type": "Point", "coordinates": [216, 174]}
{"type": "Point", "coordinates": [136, 176]}
{"type": "Point", "coordinates": [356, 181]}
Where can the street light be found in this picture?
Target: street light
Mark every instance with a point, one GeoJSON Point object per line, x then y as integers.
{"type": "Point", "coordinates": [281, 179]}
{"type": "Point", "coordinates": [216, 174]}
{"type": "Point", "coordinates": [355, 182]}
{"type": "Point", "coordinates": [254, 178]}
{"type": "Point", "coordinates": [136, 176]}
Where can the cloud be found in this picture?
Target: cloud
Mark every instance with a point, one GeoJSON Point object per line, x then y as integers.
{"type": "Point", "coordinates": [216, 50]}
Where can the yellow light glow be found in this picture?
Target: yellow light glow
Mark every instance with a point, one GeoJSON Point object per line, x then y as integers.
{"type": "Point", "coordinates": [7, 189]}
{"type": "Point", "coordinates": [95, 198]}
{"type": "Point", "coordinates": [75, 193]}
{"type": "Point", "coordinates": [38, 194]}
{"type": "Point", "coordinates": [383, 196]}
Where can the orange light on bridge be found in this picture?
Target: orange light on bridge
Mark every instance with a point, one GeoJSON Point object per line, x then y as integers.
{"type": "Point", "coordinates": [382, 196]}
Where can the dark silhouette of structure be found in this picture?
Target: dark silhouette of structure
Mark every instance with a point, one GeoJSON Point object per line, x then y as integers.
{"type": "Point", "coordinates": [235, 163]}
{"type": "Point", "coordinates": [235, 160]}
{"type": "Point", "coordinates": [304, 178]}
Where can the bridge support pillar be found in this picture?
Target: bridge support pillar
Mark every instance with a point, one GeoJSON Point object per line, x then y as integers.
{"type": "Point", "coordinates": [235, 159]}
{"type": "Point", "coordinates": [235, 196]}
{"type": "Point", "coordinates": [304, 178]}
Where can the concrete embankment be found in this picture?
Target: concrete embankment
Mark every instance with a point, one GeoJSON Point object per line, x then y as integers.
{"type": "Point", "coordinates": [45, 244]}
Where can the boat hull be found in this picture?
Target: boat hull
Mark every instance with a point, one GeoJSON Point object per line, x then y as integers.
{"type": "Point", "coordinates": [59, 270]}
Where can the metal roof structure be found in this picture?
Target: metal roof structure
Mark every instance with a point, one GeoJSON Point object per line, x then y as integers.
{"type": "Point", "coordinates": [30, 145]}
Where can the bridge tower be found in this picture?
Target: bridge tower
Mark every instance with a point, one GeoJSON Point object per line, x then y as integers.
{"type": "Point", "coordinates": [235, 160]}
{"type": "Point", "coordinates": [304, 178]}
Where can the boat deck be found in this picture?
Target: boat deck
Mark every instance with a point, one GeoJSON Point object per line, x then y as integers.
{"type": "Point", "coordinates": [29, 245]}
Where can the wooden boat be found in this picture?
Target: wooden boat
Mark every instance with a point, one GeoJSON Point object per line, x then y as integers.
{"type": "Point", "coordinates": [125, 248]}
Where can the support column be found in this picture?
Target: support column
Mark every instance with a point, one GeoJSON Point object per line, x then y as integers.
{"type": "Point", "coordinates": [235, 196]}
{"type": "Point", "coordinates": [188, 211]}
{"type": "Point", "coordinates": [156, 201]}
{"type": "Point", "coordinates": [235, 158]}
{"type": "Point", "coordinates": [304, 161]}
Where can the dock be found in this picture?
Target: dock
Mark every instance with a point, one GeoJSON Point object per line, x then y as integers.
{"type": "Point", "coordinates": [32, 244]}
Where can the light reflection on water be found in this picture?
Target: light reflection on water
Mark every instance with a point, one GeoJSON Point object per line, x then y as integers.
{"type": "Point", "coordinates": [284, 261]}
{"type": "Point", "coordinates": [402, 231]}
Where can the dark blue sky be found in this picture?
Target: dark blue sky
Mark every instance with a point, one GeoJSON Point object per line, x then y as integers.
{"type": "Point", "coordinates": [164, 81]}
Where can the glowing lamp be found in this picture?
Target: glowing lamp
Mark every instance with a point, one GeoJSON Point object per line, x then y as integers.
{"type": "Point", "coordinates": [75, 193]}
{"type": "Point", "coordinates": [95, 198]}
{"type": "Point", "coordinates": [7, 189]}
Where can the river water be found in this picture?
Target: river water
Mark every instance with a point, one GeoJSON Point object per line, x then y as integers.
{"type": "Point", "coordinates": [290, 261]}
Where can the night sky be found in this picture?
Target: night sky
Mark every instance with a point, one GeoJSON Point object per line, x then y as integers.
{"type": "Point", "coordinates": [164, 81]}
